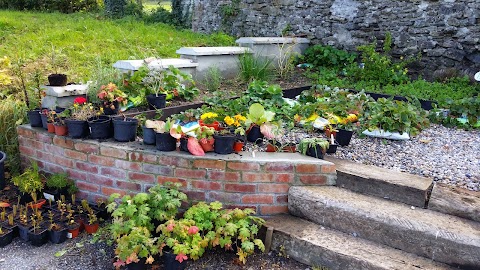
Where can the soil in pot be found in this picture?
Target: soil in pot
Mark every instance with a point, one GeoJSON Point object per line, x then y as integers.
{"type": "Point", "coordinates": [35, 118]}
{"type": "Point", "coordinates": [148, 135]}
{"type": "Point", "coordinates": [38, 237]}
{"type": "Point", "coordinates": [170, 263]}
{"type": "Point", "coordinates": [6, 237]}
{"type": "Point", "coordinates": [156, 102]}
{"type": "Point", "coordinates": [61, 130]}
{"type": "Point", "coordinates": [165, 142]}
{"type": "Point", "coordinates": [57, 80]}
{"type": "Point", "coordinates": [224, 144]}
{"type": "Point", "coordinates": [343, 137]}
{"type": "Point", "coordinates": [125, 129]}
{"type": "Point", "coordinates": [100, 127]}
{"type": "Point", "coordinates": [57, 236]}
{"type": "Point", "coordinates": [254, 134]}
{"type": "Point", "coordinates": [3, 157]}
{"type": "Point", "coordinates": [50, 128]}
{"type": "Point", "coordinates": [77, 128]}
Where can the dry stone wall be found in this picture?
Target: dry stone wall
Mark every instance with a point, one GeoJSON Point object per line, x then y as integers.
{"type": "Point", "coordinates": [445, 32]}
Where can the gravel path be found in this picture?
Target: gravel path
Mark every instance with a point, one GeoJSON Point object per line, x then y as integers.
{"type": "Point", "coordinates": [450, 156]}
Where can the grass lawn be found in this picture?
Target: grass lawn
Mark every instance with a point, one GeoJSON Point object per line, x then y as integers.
{"type": "Point", "coordinates": [84, 39]}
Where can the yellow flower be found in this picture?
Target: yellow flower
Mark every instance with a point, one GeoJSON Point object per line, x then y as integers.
{"type": "Point", "coordinates": [240, 118]}
{"type": "Point", "coordinates": [208, 115]}
{"type": "Point", "coordinates": [229, 120]}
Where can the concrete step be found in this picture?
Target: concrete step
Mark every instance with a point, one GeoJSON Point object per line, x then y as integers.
{"type": "Point", "coordinates": [315, 245]}
{"type": "Point", "coordinates": [384, 183]}
{"type": "Point", "coordinates": [455, 201]}
{"type": "Point", "coordinates": [443, 238]}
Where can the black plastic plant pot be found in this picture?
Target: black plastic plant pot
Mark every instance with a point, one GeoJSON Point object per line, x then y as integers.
{"type": "Point", "coordinates": [23, 232]}
{"type": "Point", "coordinates": [44, 120]}
{"type": "Point", "coordinates": [343, 137]}
{"type": "Point", "coordinates": [38, 238]}
{"type": "Point", "coordinates": [124, 129]}
{"type": "Point", "coordinates": [77, 129]}
{"type": "Point", "coordinates": [183, 144]}
{"type": "Point", "coordinates": [57, 80]}
{"type": "Point", "coordinates": [254, 134]}
{"type": "Point", "coordinates": [156, 102]}
{"type": "Point", "coordinates": [100, 127]}
{"type": "Point", "coordinates": [35, 118]}
{"type": "Point", "coordinates": [6, 238]}
{"type": "Point", "coordinates": [140, 265]}
{"type": "Point", "coordinates": [170, 263]}
{"type": "Point", "coordinates": [223, 144]}
{"type": "Point", "coordinates": [107, 108]}
{"type": "Point", "coordinates": [13, 228]}
{"type": "Point", "coordinates": [3, 158]}
{"type": "Point", "coordinates": [148, 135]}
{"type": "Point", "coordinates": [165, 142]}
{"type": "Point", "coordinates": [332, 149]}
{"type": "Point", "coordinates": [57, 237]}
{"type": "Point", "coordinates": [316, 152]}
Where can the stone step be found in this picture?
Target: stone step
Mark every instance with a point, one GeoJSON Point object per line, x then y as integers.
{"type": "Point", "coordinates": [384, 183]}
{"type": "Point", "coordinates": [443, 238]}
{"type": "Point", "coordinates": [455, 201]}
{"type": "Point", "coordinates": [318, 246]}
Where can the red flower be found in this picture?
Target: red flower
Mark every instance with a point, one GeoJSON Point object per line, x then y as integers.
{"type": "Point", "coordinates": [193, 230]}
{"type": "Point", "coordinates": [80, 100]}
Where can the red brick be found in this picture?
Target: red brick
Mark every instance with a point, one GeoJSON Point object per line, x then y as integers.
{"type": "Point", "coordinates": [53, 149]}
{"type": "Point", "coordinates": [158, 169]}
{"type": "Point", "coordinates": [209, 164]}
{"type": "Point", "coordinates": [257, 177]}
{"type": "Point", "coordinates": [31, 143]}
{"type": "Point", "coordinates": [113, 152]}
{"type": "Point", "coordinates": [87, 148]}
{"type": "Point", "coordinates": [100, 180]}
{"type": "Point", "coordinates": [206, 185]}
{"type": "Point", "coordinates": [284, 177]}
{"type": "Point", "coordinates": [21, 131]}
{"type": "Point", "coordinates": [243, 166]}
{"type": "Point", "coordinates": [45, 138]}
{"type": "Point", "coordinates": [174, 161]}
{"type": "Point", "coordinates": [107, 191]}
{"type": "Point", "coordinates": [129, 185]}
{"type": "Point", "coordinates": [164, 179]}
{"type": "Point", "coordinates": [143, 177]}
{"type": "Point", "coordinates": [328, 169]}
{"type": "Point", "coordinates": [82, 195]}
{"type": "Point", "coordinates": [63, 142]}
{"type": "Point", "coordinates": [224, 197]}
{"type": "Point", "coordinates": [281, 199]}
{"type": "Point", "coordinates": [244, 188]}
{"type": "Point", "coordinates": [243, 207]}
{"type": "Point", "coordinates": [257, 198]}
{"type": "Point", "coordinates": [194, 195]}
{"type": "Point", "coordinates": [103, 161]}
{"type": "Point", "coordinates": [141, 157]}
{"type": "Point", "coordinates": [63, 161]}
{"type": "Point", "coordinates": [127, 165]}
{"type": "Point", "coordinates": [267, 210]}
{"type": "Point", "coordinates": [113, 172]}
{"type": "Point", "coordinates": [273, 188]}
{"type": "Point", "coordinates": [308, 168]}
{"type": "Point", "coordinates": [45, 156]}
{"type": "Point", "coordinates": [188, 173]}
{"type": "Point", "coordinates": [224, 176]}
{"type": "Point", "coordinates": [279, 167]}
{"type": "Point", "coordinates": [52, 168]}
{"type": "Point", "coordinates": [87, 186]}
{"type": "Point", "coordinates": [75, 155]}
{"type": "Point", "coordinates": [27, 151]}
{"type": "Point", "coordinates": [87, 167]}
{"type": "Point", "coordinates": [77, 175]}
{"type": "Point", "coordinates": [313, 179]}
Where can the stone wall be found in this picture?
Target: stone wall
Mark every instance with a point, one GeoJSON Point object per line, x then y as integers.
{"type": "Point", "coordinates": [445, 32]}
{"type": "Point", "coordinates": [238, 180]}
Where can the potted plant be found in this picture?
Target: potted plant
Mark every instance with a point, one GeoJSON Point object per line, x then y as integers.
{"type": "Point", "coordinates": [136, 249]}
{"type": "Point", "coordinates": [163, 129]}
{"type": "Point", "coordinates": [112, 98]}
{"type": "Point", "coordinates": [314, 147]}
{"type": "Point", "coordinates": [148, 133]}
{"type": "Point", "coordinates": [80, 112]}
{"type": "Point", "coordinates": [6, 236]}
{"type": "Point", "coordinates": [57, 184]}
{"type": "Point", "coordinates": [29, 183]}
{"type": "Point", "coordinates": [225, 138]}
{"type": "Point", "coordinates": [256, 117]}
{"type": "Point", "coordinates": [124, 128]}
{"type": "Point", "coordinates": [92, 225]}
{"type": "Point", "coordinates": [72, 225]}
{"type": "Point", "coordinates": [209, 119]}
{"type": "Point", "coordinates": [57, 233]}
{"type": "Point", "coordinates": [51, 115]}
{"type": "Point", "coordinates": [156, 96]}
{"type": "Point", "coordinates": [164, 202]}
{"type": "Point", "coordinates": [37, 235]}
{"type": "Point", "coordinates": [178, 84]}
{"type": "Point", "coordinates": [57, 59]}
{"type": "Point", "coordinates": [205, 137]}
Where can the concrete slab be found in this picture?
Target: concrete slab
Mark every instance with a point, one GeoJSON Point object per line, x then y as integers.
{"type": "Point", "coordinates": [443, 238]}
{"type": "Point", "coordinates": [133, 65]}
{"type": "Point", "coordinates": [62, 96]}
{"type": "Point", "coordinates": [384, 183]}
{"type": "Point", "coordinates": [315, 245]}
{"type": "Point", "coordinates": [455, 201]}
{"type": "Point", "coordinates": [209, 51]}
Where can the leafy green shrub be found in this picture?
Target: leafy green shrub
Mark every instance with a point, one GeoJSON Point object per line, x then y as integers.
{"type": "Point", "coordinates": [121, 8]}
{"type": "Point", "coordinates": [30, 181]}
{"type": "Point", "coordinates": [327, 56]}
{"type": "Point", "coordinates": [64, 6]}
{"type": "Point", "coordinates": [160, 15]}
{"type": "Point", "coordinates": [254, 67]}
{"type": "Point", "coordinates": [464, 113]}
{"type": "Point", "coordinates": [57, 181]}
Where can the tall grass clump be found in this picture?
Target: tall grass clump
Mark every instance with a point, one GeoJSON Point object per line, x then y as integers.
{"type": "Point", "coordinates": [12, 113]}
{"type": "Point", "coordinates": [254, 67]}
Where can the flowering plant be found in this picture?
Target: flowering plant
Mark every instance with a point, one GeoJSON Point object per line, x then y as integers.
{"type": "Point", "coordinates": [209, 117]}
{"type": "Point", "coordinates": [233, 124]}
{"type": "Point", "coordinates": [110, 93]}
{"type": "Point", "coordinates": [81, 110]}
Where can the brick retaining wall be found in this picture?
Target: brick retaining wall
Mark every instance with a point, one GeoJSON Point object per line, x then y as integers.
{"type": "Point", "coordinates": [100, 169]}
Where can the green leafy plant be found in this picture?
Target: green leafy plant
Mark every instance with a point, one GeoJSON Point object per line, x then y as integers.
{"type": "Point", "coordinates": [165, 200]}
{"type": "Point", "coordinates": [258, 115]}
{"type": "Point", "coordinates": [255, 67]}
{"type": "Point", "coordinates": [135, 245]}
{"type": "Point", "coordinates": [328, 56]}
{"type": "Point", "coordinates": [213, 79]}
{"type": "Point", "coordinates": [312, 143]}
{"type": "Point", "coordinates": [30, 181]}
{"type": "Point", "coordinates": [178, 84]}
{"type": "Point", "coordinates": [57, 181]}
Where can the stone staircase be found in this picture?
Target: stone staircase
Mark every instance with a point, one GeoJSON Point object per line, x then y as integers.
{"type": "Point", "coordinates": [380, 219]}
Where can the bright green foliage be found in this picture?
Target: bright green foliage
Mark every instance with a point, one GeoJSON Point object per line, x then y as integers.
{"type": "Point", "coordinates": [464, 113]}
{"type": "Point", "coordinates": [135, 245]}
{"type": "Point", "coordinates": [307, 143]}
{"type": "Point", "coordinates": [255, 67]}
{"type": "Point", "coordinates": [65, 6]}
{"type": "Point", "coordinates": [30, 181]}
{"type": "Point", "coordinates": [327, 56]}
{"type": "Point", "coordinates": [57, 181]}
{"type": "Point", "coordinates": [165, 201]}
{"type": "Point", "coordinates": [12, 113]}
{"type": "Point", "coordinates": [258, 115]}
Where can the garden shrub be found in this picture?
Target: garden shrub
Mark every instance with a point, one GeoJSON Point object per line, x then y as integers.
{"type": "Point", "coordinates": [64, 6]}
{"type": "Point", "coordinates": [327, 56]}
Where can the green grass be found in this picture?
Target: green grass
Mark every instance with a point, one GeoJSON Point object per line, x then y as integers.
{"type": "Point", "coordinates": [83, 38]}
{"type": "Point", "coordinates": [151, 5]}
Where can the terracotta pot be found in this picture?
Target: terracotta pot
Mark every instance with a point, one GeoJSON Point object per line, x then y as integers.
{"type": "Point", "coordinates": [61, 130]}
{"type": "Point", "coordinates": [50, 127]}
{"type": "Point", "coordinates": [73, 230]}
{"type": "Point", "coordinates": [215, 125]}
{"type": "Point", "coordinates": [91, 228]}
{"type": "Point", "coordinates": [208, 146]}
{"type": "Point", "coordinates": [290, 148]}
{"type": "Point", "coordinates": [238, 146]}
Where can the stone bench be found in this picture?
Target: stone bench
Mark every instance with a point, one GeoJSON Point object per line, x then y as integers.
{"type": "Point", "coordinates": [224, 58]}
